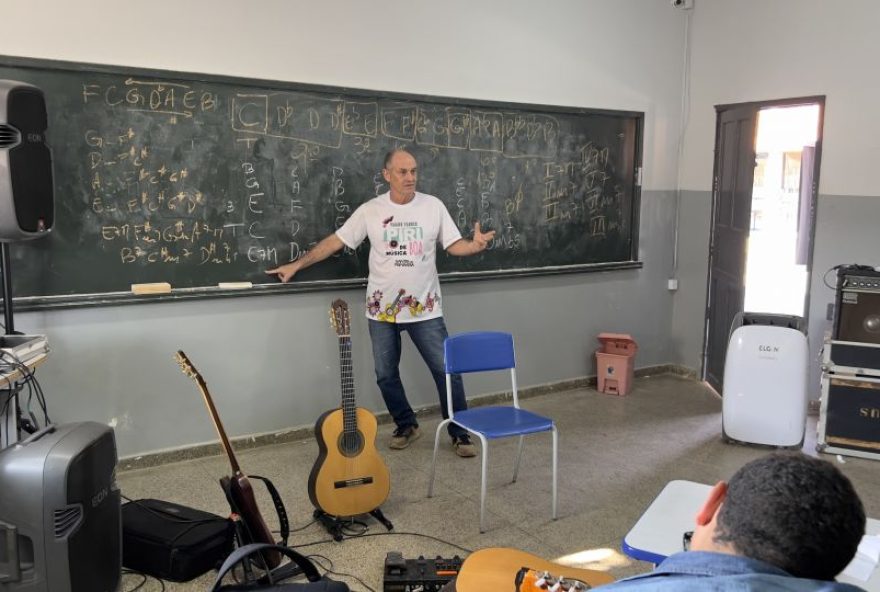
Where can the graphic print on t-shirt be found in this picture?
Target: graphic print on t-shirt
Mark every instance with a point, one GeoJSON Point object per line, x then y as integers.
{"type": "Point", "coordinates": [390, 311]}
{"type": "Point", "coordinates": [402, 241]}
{"type": "Point", "coordinates": [403, 286]}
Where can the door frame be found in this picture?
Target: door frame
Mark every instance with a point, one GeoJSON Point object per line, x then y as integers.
{"type": "Point", "coordinates": [814, 200]}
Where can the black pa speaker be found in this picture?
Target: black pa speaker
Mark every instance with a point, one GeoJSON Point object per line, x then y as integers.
{"type": "Point", "coordinates": [60, 516]}
{"type": "Point", "coordinates": [27, 206]}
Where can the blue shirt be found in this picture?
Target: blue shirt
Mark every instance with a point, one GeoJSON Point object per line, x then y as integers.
{"type": "Point", "coordinates": [702, 570]}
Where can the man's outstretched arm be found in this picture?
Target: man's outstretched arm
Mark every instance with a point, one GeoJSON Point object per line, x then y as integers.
{"type": "Point", "coordinates": [328, 246]}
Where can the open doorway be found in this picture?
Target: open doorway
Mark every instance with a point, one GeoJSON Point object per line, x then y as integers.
{"type": "Point", "coordinates": [779, 234]}
{"type": "Point", "coordinates": [765, 184]}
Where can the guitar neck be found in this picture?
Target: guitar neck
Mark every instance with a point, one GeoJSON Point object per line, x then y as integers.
{"type": "Point", "coordinates": [215, 417]}
{"type": "Point", "coordinates": [349, 408]}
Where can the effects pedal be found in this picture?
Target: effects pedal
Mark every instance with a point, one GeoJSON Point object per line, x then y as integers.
{"type": "Point", "coordinates": [428, 575]}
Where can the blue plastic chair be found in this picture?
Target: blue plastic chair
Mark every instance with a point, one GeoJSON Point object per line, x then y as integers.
{"type": "Point", "coordinates": [483, 351]}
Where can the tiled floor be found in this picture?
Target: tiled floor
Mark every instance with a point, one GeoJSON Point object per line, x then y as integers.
{"type": "Point", "coordinates": [615, 455]}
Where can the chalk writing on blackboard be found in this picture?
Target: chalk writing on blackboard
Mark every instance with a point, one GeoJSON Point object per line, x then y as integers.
{"type": "Point", "coordinates": [197, 180]}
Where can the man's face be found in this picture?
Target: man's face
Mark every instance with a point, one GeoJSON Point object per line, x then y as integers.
{"type": "Point", "coordinates": [401, 174]}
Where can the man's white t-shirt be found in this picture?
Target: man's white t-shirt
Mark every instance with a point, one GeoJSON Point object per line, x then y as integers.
{"type": "Point", "coordinates": [403, 286]}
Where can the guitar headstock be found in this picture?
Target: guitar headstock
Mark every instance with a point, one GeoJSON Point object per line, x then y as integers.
{"type": "Point", "coordinates": [531, 580]}
{"type": "Point", "coordinates": [187, 367]}
{"type": "Point", "coordinates": [339, 318]}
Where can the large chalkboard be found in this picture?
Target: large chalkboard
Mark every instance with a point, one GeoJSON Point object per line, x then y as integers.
{"type": "Point", "coordinates": [196, 179]}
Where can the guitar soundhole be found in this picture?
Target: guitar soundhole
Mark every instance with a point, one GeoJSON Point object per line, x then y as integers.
{"type": "Point", "coordinates": [350, 443]}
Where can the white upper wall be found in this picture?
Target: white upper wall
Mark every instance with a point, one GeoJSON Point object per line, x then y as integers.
{"type": "Point", "coordinates": [757, 50]}
{"type": "Point", "coordinates": [612, 54]}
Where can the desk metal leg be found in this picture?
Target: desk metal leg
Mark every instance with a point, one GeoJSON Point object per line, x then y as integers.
{"type": "Point", "coordinates": [8, 418]}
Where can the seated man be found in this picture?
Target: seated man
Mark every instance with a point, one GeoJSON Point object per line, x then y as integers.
{"type": "Point", "coordinates": [783, 522]}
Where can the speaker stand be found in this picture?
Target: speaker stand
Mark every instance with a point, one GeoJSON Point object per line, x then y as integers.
{"type": "Point", "coordinates": [6, 270]}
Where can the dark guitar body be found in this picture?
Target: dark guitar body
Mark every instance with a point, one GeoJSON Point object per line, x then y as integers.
{"type": "Point", "coordinates": [244, 502]}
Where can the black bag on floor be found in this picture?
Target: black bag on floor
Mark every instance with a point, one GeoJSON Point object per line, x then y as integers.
{"type": "Point", "coordinates": [173, 542]}
{"type": "Point", "coordinates": [316, 583]}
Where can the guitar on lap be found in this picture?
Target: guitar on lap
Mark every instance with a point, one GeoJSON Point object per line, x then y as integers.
{"type": "Point", "coordinates": [239, 488]}
{"type": "Point", "coordinates": [510, 570]}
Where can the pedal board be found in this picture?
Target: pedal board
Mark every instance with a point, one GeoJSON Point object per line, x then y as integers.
{"type": "Point", "coordinates": [427, 575]}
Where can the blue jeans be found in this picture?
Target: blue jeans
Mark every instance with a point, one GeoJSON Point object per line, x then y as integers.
{"type": "Point", "coordinates": [428, 337]}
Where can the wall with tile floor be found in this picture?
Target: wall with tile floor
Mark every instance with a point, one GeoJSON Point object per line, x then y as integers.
{"type": "Point", "coordinates": [615, 455]}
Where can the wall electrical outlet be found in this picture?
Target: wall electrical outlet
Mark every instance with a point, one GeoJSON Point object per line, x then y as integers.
{"type": "Point", "coordinates": [672, 284]}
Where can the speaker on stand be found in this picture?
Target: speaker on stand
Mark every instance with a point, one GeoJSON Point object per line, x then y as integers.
{"type": "Point", "coordinates": [27, 205]}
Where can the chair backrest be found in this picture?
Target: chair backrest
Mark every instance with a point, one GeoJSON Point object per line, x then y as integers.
{"type": "Point", "coordinates": [479, 351]}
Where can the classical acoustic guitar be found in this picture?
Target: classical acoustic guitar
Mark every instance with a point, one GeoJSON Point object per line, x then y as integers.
{"type": "Point", "coordinates": [510, 570]}
{"type": "Point", "coordinates": [239, 487]}
{"type": "Point", "coordinates": [349, 477]}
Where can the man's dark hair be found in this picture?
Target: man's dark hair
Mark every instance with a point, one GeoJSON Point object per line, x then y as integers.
{"type": "Point", "coordinates": [798, 513]}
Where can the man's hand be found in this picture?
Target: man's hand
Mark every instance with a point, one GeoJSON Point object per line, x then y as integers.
{"type": "Point", "coordinates": [481, 239]}
{"type": "Point", "coordinates": [284, 272]}
{"type": "Point", "coordinates": [328, 245]}
{"type": "Point", "coordinates": [464, 247]}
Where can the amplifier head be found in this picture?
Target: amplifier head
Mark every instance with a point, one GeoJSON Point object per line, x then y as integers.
{"type": "Point", "coordinates": [857, 314]}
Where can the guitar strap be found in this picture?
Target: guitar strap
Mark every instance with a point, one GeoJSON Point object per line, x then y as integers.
{"type": "Point", "coordinates": [283, 523]}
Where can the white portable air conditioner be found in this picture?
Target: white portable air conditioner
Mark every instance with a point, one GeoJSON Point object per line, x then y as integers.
{"type": "Point", "coordinates": [765, 386]}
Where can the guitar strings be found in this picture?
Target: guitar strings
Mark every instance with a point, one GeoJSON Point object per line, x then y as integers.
{"type": "Point", "coordinates": [349, 411]}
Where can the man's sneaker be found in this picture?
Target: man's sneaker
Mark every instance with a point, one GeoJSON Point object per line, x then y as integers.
{"type": "Point", "coordinates": [463, 446]}
{"type": "Point", "coordinates": [404, 436]}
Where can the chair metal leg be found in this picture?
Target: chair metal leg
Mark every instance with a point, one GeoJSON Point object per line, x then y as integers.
{"type": "Point", "coordinates": [434, 458]}
{"type": "Point", "coordinates": [555, 440]}
{"type": "Point", "coordinates": [518, 458]}
{"type": "Point", "coordinates": [485, 464]}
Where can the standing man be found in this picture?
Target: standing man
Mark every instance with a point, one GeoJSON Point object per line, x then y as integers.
{"type": "Point", "coordinates": [403, 290]}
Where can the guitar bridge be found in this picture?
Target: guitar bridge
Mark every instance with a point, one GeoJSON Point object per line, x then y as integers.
{"type": "Point", "coordinates": [352, 482]}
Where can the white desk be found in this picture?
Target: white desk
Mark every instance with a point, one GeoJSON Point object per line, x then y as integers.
{"type": "Point", "coordinates": [658, 533]}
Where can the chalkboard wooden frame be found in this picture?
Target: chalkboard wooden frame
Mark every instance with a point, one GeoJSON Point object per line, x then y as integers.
{"type": "Point", "coordinates": [83, 298]}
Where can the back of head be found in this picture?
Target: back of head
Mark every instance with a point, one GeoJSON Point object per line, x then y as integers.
{"type": "Point", "coordinates": [798, 513]}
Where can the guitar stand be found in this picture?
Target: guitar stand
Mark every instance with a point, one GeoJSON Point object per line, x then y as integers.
{"type": "Point", "coordinates": [335, 524]}
{"type": "Point", "coordinates": [279, 574]}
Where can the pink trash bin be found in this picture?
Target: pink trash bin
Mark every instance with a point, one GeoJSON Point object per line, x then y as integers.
{"type": "Point", "coordinates": [615, 363]}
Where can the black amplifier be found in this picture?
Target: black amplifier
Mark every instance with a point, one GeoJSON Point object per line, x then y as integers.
{"type": "Point", "coordinates": [857, 306]}
{"type": "Point", "coordinates": [849, 417]}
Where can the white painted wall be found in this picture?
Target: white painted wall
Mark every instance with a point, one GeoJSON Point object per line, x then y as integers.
{"type": "Point", "coordinates": [756, 50]}
{"type": "Point", "coordinates": [271, 360]}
